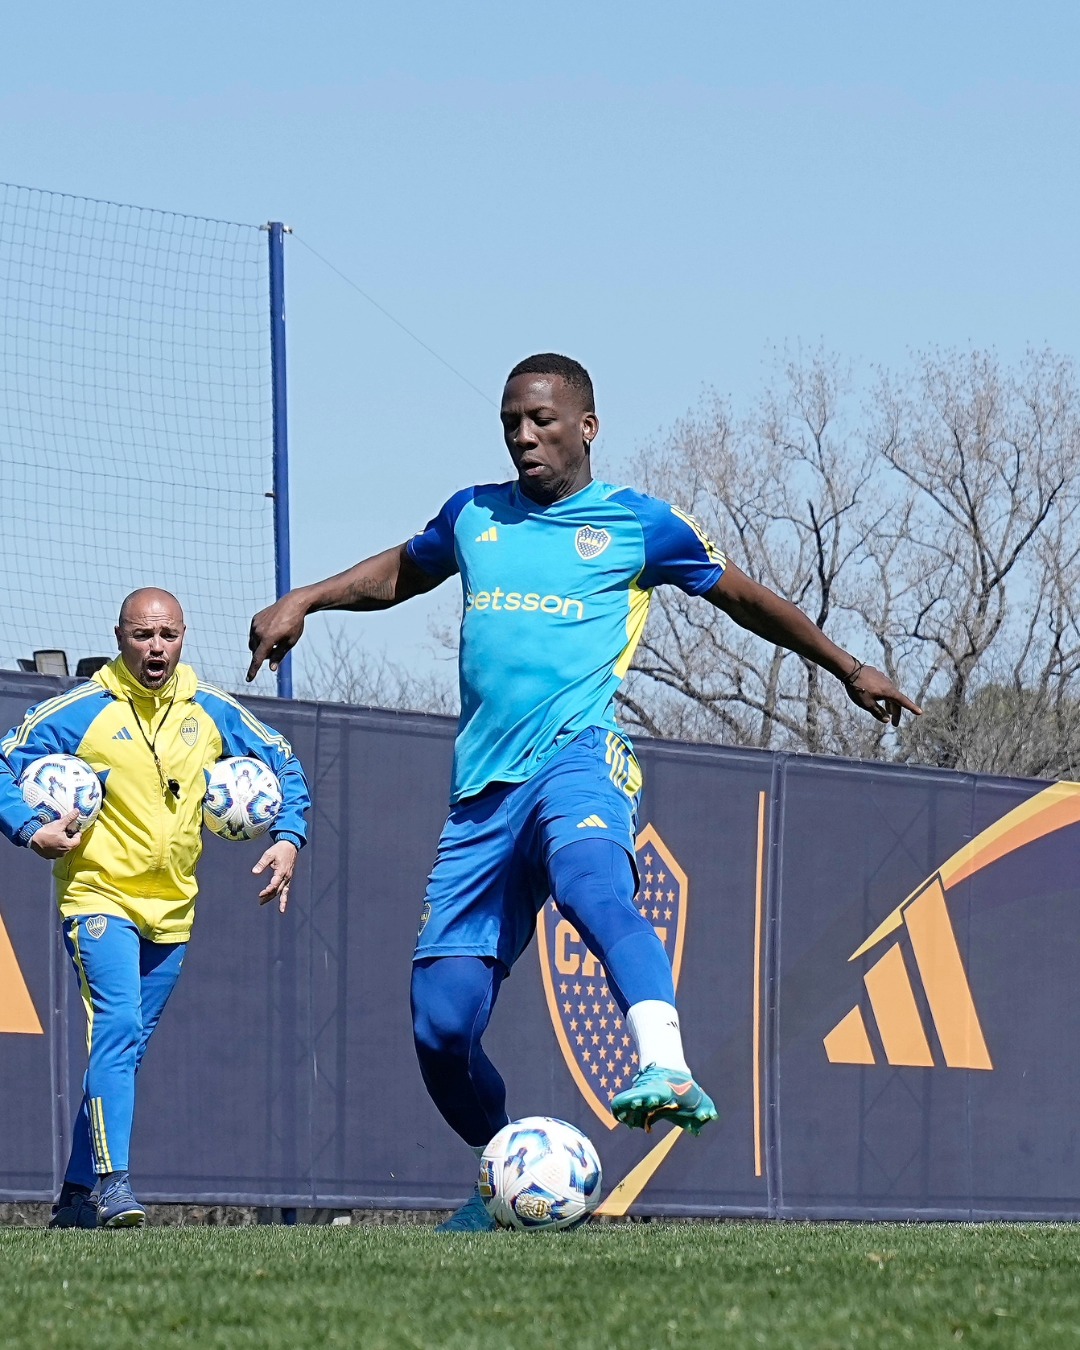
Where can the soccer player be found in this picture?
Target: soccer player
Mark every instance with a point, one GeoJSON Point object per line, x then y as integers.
{"type": "Point", "coordinates": [556, 571]}
{"type": "Point", "coordinates": [126, 886]}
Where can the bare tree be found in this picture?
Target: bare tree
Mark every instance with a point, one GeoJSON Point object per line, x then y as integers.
{"type": "Point", "coordinates": [792, 494]}
{"type": "Point", "coordinates": [990, 543]}
{"type": "Point", "coordinates": [345, 672]}
{"type": "Point", "coordinates": [935, 533]}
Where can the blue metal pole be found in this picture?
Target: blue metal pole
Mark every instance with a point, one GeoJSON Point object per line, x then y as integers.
{"type": "Point", "coordinates": [276, 232]}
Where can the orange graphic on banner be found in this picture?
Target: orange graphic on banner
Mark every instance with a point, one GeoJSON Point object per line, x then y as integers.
{"type": "Point", "coordinates": [848, 1042]}
{"type": "Point", "coordinates": [627, 1191]}
{"type": "Point", "coordinates": [893, 1001]}
{"type": "Point", "coordinates": [945, 981]}
{"type": "Point", "coordinates": [1047, 812]}
{"type": "Point", "coordinates": [925, 916]}
{"type": "Point", "coordinates": [892, 997]}
{"type": "Point", "coordinates": [17, 1013]}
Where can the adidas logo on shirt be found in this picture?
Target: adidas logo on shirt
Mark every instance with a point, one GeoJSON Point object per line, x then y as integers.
{"type": "Point", "coordinates": [594, 821]}
{"type": "Point", "coordinates": [123, 735]}
{"type": "Point", "coordinates": [488, 537]}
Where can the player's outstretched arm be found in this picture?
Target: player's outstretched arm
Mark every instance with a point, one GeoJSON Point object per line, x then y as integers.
{"type": "Point", "coordinates": [777, 620]}
{"type": "Point", "coordinates": [378, 582]}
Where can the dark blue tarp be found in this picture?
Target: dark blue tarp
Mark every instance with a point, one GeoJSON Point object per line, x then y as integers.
{"type": "Point", "coordinates": [283, 1071]}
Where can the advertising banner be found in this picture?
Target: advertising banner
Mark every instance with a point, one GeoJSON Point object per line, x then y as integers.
{"type": "Point", "coordinates": [873, 964]}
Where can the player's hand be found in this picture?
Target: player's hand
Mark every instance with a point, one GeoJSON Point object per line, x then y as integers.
{"type": "Point", "coordinates": [873, 690]}
{"type": "Point", "coordinates": [57, 837]}
{"type": "Point", "coordinates": [275, 630]}
{"type": "Point", "coordinates": [281, 859]}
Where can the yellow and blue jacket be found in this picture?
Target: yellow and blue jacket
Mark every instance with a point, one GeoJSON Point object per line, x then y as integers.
{"type": "Point", "coordinates": [137, 860]}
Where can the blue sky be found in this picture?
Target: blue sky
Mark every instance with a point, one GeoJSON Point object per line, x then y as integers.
{"type": "Point", "coordinates": [667, 193]}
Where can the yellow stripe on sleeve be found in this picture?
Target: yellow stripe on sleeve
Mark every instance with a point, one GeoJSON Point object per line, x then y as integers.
{"type": "Point", "coordinates": [249, 719]}
{"type": "Point", "coordinates": [46, 710]}
{"type": "Point", "coordinates": [711, 551]}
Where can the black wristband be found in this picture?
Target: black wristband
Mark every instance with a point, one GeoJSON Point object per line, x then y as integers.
{"type": "Point", "coordinates": [849, 680]}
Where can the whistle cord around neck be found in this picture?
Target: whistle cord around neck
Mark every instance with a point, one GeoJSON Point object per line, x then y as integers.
{"type": "Point", "coordinates": [167, 784]}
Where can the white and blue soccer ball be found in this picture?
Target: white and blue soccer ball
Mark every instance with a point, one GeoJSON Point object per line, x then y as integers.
{"type": "Point", "coordinates": [539, 1173]}
{"type": "Point", "coordinates": [243, 798]}
{"type": "Point", "coordinates": [60, 784]}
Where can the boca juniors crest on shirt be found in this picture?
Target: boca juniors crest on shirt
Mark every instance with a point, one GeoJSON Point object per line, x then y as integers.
{"type": "Point", "coordinates": [590, 543]}
{"type": "Point", "coordinates": [595, 1041]}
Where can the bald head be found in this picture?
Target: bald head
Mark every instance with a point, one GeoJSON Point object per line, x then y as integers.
{"type": "Point", "coordinates": [150, 635]}
{"type": "Point", "coordinates": [149, 595]}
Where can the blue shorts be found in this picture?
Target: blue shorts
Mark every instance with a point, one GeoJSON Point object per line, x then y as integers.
{"type": "Point", "coordinates": [491, 871]}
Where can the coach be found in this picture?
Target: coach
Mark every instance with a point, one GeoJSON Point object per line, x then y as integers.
{"type": "Point", "coordinates": [126, 886]}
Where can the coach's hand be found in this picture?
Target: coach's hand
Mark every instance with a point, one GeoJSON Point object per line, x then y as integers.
{"type": "Point", "coordinates": [57, 837]}
{"type": "Point", "coordinates": [281, 859]}
{"type": "Point", "coordinates": [275, 630]}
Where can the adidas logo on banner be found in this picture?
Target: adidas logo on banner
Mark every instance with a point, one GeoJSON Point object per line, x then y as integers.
{"type": "Point", "coordinates": [592, 820]}
{"type": "Point", "coordinates": [892, 997]}
{"type": "Point", "coordinates": [123, 735]}
{"type": "Point", "coordinates": [488, 537]}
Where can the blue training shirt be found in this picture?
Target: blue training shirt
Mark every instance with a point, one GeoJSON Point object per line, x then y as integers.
{"type": "Point", "coordinates": [555, 602]}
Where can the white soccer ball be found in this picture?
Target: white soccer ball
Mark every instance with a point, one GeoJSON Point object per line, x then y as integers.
{"type": "Point", "coordinates": [243, 798]}
{"type": "Point", "coordinates": [539, 1172]}
{"type": "Point", "coordinates": [63, 783]}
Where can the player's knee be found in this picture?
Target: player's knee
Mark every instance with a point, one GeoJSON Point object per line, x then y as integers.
{"type": "Point", "coordinates": [438, 1033]}
{"type": "Point", "coordinates": [119, 1030]}
{"type": "Point", "coordinates": [440, 1025]}
{"type": "Point", "coordinates": [452, 999]}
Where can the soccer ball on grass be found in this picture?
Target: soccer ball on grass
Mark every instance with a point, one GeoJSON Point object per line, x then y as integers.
{"type": "Point", "coordinates": [243, 798]}
{"type": "Point", "coordinates": [63, 783]}
{"type": "Point", "coordinates": [539, 1172]}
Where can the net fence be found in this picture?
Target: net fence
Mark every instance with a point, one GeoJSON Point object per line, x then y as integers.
{"type": "Point", "coordinates": [135, 426]}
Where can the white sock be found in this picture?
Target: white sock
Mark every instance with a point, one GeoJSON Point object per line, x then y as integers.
{"type": "Point", "coordinates": [654, 1026]}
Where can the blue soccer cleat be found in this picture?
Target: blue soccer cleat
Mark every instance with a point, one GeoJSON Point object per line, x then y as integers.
{"type": "Point", "coordinates": [472, 1217]}
{"type": "Point", "coordinates": [117, 1207]}
{"type": "Point", "coordinates": [79, 1212]}
{"type": "Point", "coordinates": [663, 1094]}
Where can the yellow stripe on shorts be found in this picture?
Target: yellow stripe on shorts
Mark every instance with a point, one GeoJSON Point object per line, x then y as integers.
{"type": "Point", "coordinates": [625, 772]}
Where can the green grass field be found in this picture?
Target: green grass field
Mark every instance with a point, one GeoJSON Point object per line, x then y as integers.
{"type": "Point", "coordinates": [624, 1286]}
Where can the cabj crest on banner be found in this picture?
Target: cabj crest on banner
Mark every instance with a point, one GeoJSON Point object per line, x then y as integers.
{"type": "Point", "coordinates": [595, 1041]}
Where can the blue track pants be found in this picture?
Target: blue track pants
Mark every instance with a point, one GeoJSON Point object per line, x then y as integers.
{"type": "Point", "coordinates": [125, 982]}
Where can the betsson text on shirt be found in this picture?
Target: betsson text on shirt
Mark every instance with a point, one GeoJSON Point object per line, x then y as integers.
{"type": "Point", "coordinates": [533, 602]}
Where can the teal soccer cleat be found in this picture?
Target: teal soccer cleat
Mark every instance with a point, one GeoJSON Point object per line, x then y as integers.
{"type": "Point", "coordinates": [79, 1212]}
{"type": "Point", "coordinates": [117, 1207]}
{"type": "Point", "coordinates": [663, 1094]}
{"type": "Point", "coordinates": [472, 1217]}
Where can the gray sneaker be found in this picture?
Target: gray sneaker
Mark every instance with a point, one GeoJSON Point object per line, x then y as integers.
{"type": "Point", "coordinates": [118, 1208]}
